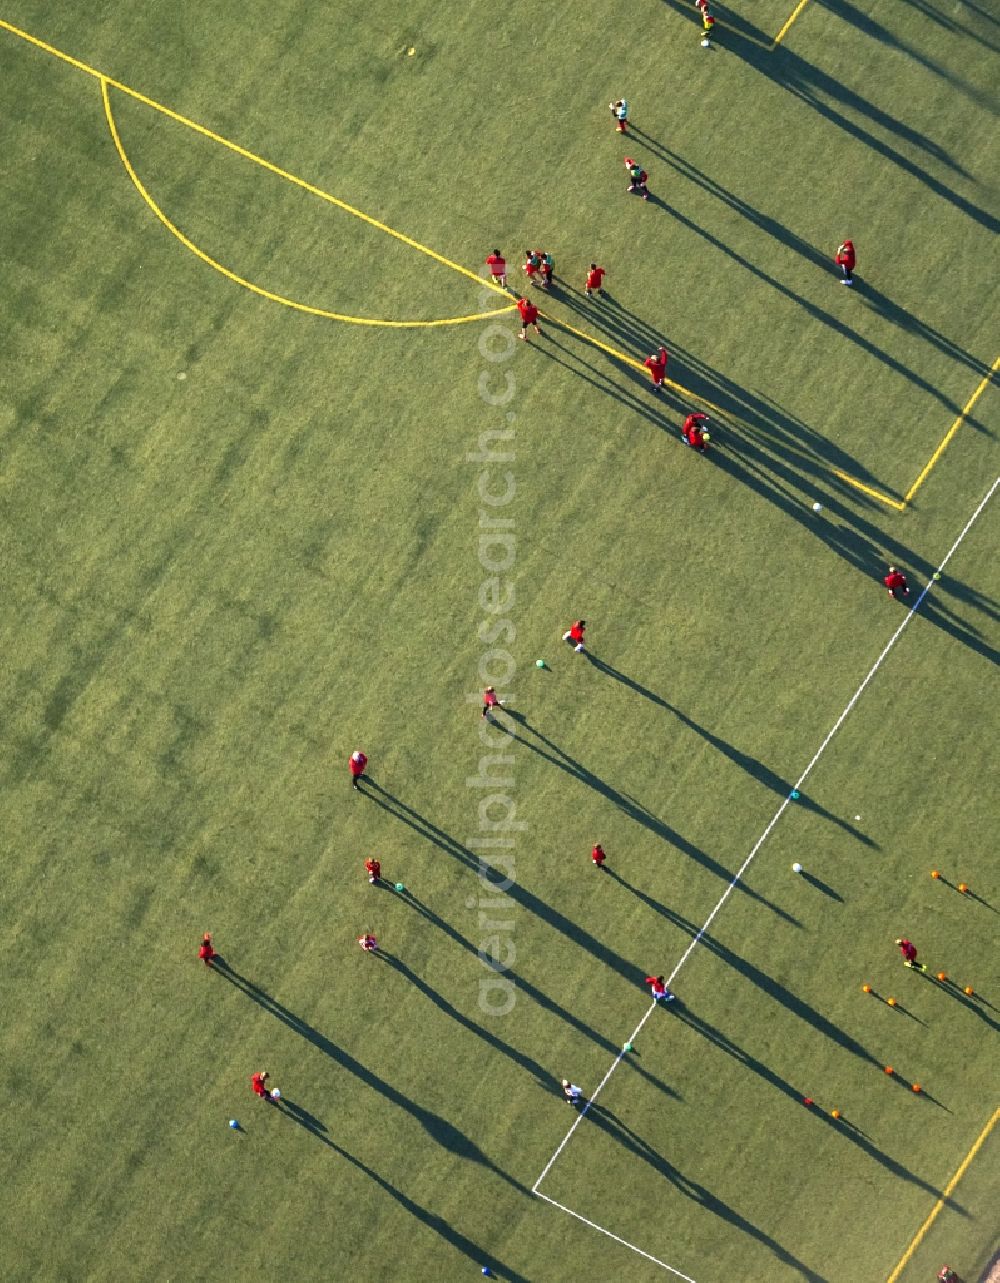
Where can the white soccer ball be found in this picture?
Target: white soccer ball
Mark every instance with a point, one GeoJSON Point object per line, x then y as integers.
{"type": "Point", "coordinates": [796, 867]}
{"type": "Point", "coordinates": [817, 507]}
{"type": "Point", "coordinates": [275, 1094]}
{"type": "Point", "coordinates": [706, 43]}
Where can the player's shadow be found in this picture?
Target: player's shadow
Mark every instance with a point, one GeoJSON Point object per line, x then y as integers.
{"type": "Point", "coordinates": [620, 1132]}
{"type": "Point", "coordinates": [742, 1057]}
{"type": "Point", "coordinates": [547, 749]}
{"type": "Point", "coordinates": [833, 99]}
{"type": "Point", "coordinates": [470, 1250]}
{"type": "Point", "coordinates": [752, 765]}
{"type": "Point", "coordinates": [773, 989]}
{"type": "Point", "coordinates": [529, 1064]}
{"type": "Point", "coordinates": [872, 297]}
{"type": "Point", "coordinates": [481, 866]}
{"type": "Point", "coordinates": [973, 1004]}
{"type": "Point", "coordinates": [439, 1129]}
{"type": "Point", "coordinates": [625, 386]}
{"type": "Point", "coordinates": [446, 1231]}
{"type": "Point", "coordinates": [531, 991]}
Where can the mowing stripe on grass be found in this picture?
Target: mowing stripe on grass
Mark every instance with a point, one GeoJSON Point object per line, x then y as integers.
{"type": "Point", "coordinates": [249, 285]}
{"type": "Point", "coordinates": [977, 1145]}
{"type": "Point", "coordinates": [786, 802]}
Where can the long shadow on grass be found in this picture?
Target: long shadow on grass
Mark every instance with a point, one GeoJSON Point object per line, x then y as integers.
{"type": "Point", "coordinates": [634, 809]}
{"type": "Point", "coordinates": [973, 1004]}
{"type": "Point", "coordinates": [833, 99]}
{"type": "Point", "coordinates": [624, 1135]}
{"type": "Point", "coordinates": [870, 295]}
{"type": "Point", "coordinates": [444, 1133]}
{"type": "Point", "coordinates": [765, 983]}
{"type": "Point", "coordinates": [742, 1057]}
{"type": "Point", "coordinates": [752, 765]}
{"type": "Point", "coordinates": [471, 1251]}
{"type": "Point", "coordinates": [529, 990]}
{"type": "Point", "coordinates": [519, 894]}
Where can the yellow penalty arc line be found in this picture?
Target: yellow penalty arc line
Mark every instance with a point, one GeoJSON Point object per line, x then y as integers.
{"type": "Point", "coordinates": [784, 30]}
{"type": "Point", "coordinates": [966, 411]}
{"type": "Point", "coordinates": [935, 1211]}
{"type": "Point", "coordinates": [249, 285]}
{"type": "Point", "coordinates": [247, 155]}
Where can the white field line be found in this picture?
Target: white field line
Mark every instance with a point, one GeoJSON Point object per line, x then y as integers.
{"type": "Point", "coordinates": [601, 1230]}
{"type": "Point", "coordinates": [696, 940]}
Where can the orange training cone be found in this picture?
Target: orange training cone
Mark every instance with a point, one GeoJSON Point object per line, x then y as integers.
{"type": "Point", "coordinates": [962, 886]}
{"type": "Point", "coordinates": [916, 1087]}
{"type": "Point", "coordinates": [934, 874]}
{"type": "Point", "coordinates": [866, 988]}
{"type": "Point", "coordinates": [891, 1002]}
{"type": "Point", "coordinates": [968, 991]}
{"type": "Point", "coordinates": [942, 975]}
{"type": "Point", "coordinates": [888, 1069]}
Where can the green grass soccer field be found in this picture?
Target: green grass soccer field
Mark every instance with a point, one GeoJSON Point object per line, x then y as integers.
{"type": "Point", "coordinates": [251, 521]}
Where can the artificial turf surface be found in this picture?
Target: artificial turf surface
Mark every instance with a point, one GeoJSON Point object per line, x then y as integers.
{"type": "Point", "coordinates": [217, 586]}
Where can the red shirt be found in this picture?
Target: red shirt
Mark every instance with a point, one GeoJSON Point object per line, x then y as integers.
{"type": "Point", "coordinates": [657, 364]}
{"type": "Point", "coordinates": [374, 868]}
{"type": "Point", "coordinates": [692, 428]}
{"type": "Point", "coordinates": [845, 255]}
{"type": "Point", "coordinates": [490, 699]}
{"type": "Point", "coordinates": [497, 265]}
{"type": "Point", "coordinates": [358, 764]}
{"type": "Point", "coordinates": [908, 950]}
{"type": "Point", "coordinates": [595, 277]}
{"type": "Point", "coordinates": [598, 855]}
{"type": "Point", "coordinates": [655, 986]}
{"type": "Point", "coordinates": [206, 950]}
{"type": "Point", "coordinates": [529, 313]}
{"type": "Point", "coordinates": [368, 943]}
{"type": "Point", "coordinates": [258, 1084]}
{"type": "Point", "coordinates": [894, 581]}
{"type": "Point", "coordinates": [576, 632]}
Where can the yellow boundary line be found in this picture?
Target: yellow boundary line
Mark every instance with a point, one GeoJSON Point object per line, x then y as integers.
{"type": "Point", "coordinates": [107, 82]}
{"type": "Point", "coordinates": [918, 1238]}
{"type": "Point", "coordinates": [966, 411]}
{"type": "Point", "coordinates": [784, 30]}
{"type": "Point", "coordinates": [249, 285]}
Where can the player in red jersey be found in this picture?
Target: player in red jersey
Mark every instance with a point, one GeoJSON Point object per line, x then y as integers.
{"type": "Point", "coordinates": [532, 264]}
{"type": "Point", "coordinates": [598, 856]}
{"type": "Point", "coordinates": [368, 942]}
{"type": "Point", "coordinates": [595, 279]}
{"type": "Point", "coordinates": [707, 21]}
{"type": "Point", "coordinates": [373, 868]}
{"type": "Point", "coordinates": [845, 260]}
{"type": "Point", "coordinates": [658, 989]}
{"type": "Point", "coordinates": [490, 701]}
{"type": "Point", "coordinates": [206, 953]}
{"type": "Point", "coordinates": [529, 316]}
{"type": "Point", "coordinates": [656, 364]}
{"type": "Point", "coordinates": [258, 1083]}
{"type": "Point", "coordinates": [637, 178]}
{"type": "Point", "coordinates": [693, 432]}
{"type": "Point", "coordinates": [909, 951]}
{"type": "Point", "coordinates": [895, 582]}
{"type": "Point", "coordinates": [358, 763]}
{"type": "Point", "coordinates": [574, 634]}
{"type": "Point", "coordinates": [498, 268]}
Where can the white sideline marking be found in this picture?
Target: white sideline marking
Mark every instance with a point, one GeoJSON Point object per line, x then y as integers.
{"type": "Point", "coordinates": [601, 1230]}
{"type": "Point", "coordinates": [696, 940]}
